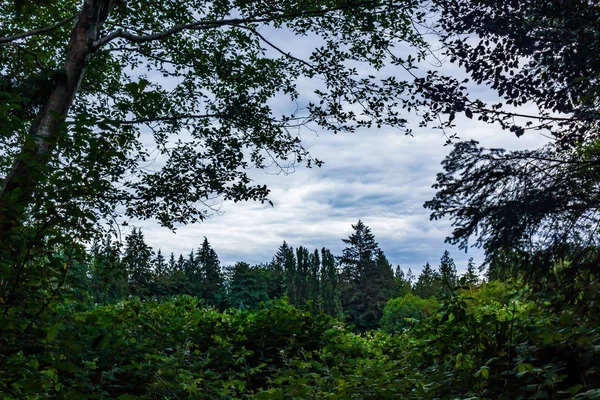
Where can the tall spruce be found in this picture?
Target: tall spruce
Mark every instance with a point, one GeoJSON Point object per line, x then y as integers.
{"type": "Point", "coordinates": [247, 286]}
{"type": "Point", "coordinates": [329, 285]}
{"type": "Point", "coordinates": [211, 285]}
{"type": "Point", "coordinates": [107, 275]}
{"type": "Point", "coordinates": [428, 282]}
{"type": "Point", "coordinates": [470, 277]}
{"type": "Point", "coordinates": [366, 279]}
{"type": "Point", "coordinates": [447, 274]}
{"type": "Point", "coordinates": [137, 260]}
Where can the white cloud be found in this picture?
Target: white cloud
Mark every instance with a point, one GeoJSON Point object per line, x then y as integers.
{"type": "Point", "coordinates": [381, 176]}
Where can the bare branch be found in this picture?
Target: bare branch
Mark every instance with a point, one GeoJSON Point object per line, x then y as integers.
{"type": "Point", "coordinates": [36, 31]}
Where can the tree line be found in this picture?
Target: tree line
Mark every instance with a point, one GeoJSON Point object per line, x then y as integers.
{"type": "Point", "coordinates": [354, 286]}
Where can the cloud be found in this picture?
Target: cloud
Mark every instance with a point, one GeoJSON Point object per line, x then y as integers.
{"type": "Point", "coordinates": [380, 176]}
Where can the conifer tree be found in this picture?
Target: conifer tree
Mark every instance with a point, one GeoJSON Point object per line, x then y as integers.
{"type": "Point", "coordinates": [329, 285]}
{"type": "Point", "coordinates": [247, 286]}
{"type": "Point", "coordinates": [283, 269]}
{"type": "Point", "coordinates": [108, 277]}
{"type": "Point", "coordinates": [368, 279]}
{"type": "Point", "coordinates": [137, 260]}
{"type": "Point", "coordinates": [402, 285]}
{"type": "Point", "coordinates": [160, 264]}
{"type": "Point", "coordinates": [314, 265]}
{"type": "Point", "coordinates": [211, 284]}
{"type": "Point", "coordinates": [161, 281]}
{"type": "Point", "coordinates": [427, 284]}
{"type": "Point", "coordinates": [470, 277]}
{"type": "Point", "coordinates": [447, 274]}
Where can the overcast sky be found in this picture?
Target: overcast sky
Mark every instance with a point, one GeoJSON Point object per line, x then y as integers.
{"type": "Point", "coordinates": [379, 176]}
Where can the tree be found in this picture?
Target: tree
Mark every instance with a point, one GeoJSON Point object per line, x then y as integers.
{"type": "Point", "coordinates": [402, 283]}
{"type": "Point", "coordinates": [107, 275]}
{"type": "Point", "coordinates": [527, 209]}
{"type": "Point", "coordinates": [470, 277]}
{"type": "Point", "coordinates": [533, 51]}
{"type": "Point", "coordinates": [359, 251]}
{"type": "Point", "coordinates": [447, 273]}
{"type": "Point", "coordinates": [247, 286]}
{"type": "Point", "coordinates": [329, 285]}
{"type": "Point", "coordinates": [83, 108]}
{"type": "Point", "coordinates": [211, 284]}
{"type": "Point", "coordinates": [367, 279]}
{"type": "Point", "coordinates": [428, 283]}
{"type": "Point", "coordinates": [137, 261]}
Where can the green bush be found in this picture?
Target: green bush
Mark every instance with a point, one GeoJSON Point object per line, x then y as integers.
{"type": "Point", "coordinates": [403, 312]}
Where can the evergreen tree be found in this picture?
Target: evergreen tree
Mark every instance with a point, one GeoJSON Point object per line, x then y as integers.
{"type": "Point", "coordinates": [211, 285]}
{"type": "Point", "coordinates": [161, 281]}
{"type": "Point", "coordinates": [402, 285]}
{"type": "Point", "coordinates": [368, 279]}
{"type": "Point", "coordinates": [447, 274]}
{"type": "Point", "coordinates": [137, 260]}
{"type": "Point", "coordinates": [410, 277]}
{"type": "Point", "coordinates": [470, 277]}
{"type": "Point", "coordinates": [314, 265]}
{"type": "Point", "coordinates": [160, 265]}
{"type": "Point", "coordinates": [359, 251]}
{"type": "Point", "coordinates": [172, 264]}
{"type": "Point", "coordinates": [108, 277]}
{"type": "Point", "coordinates": [329, 285]}
{"type": "Point", "coordinates": [277, 269]}
{"type": "Point", "coordinates": [427, 284]}
{"type": "Point", "coordinates": [247, 286]}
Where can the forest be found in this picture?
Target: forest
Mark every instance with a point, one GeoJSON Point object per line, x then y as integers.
{"type": "Point", "coordinates": [117, 112]}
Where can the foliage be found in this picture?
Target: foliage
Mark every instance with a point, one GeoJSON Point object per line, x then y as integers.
{"type": "Point", "coordinates": [537, 52]}
{"type": "Point", "coordinates": [403, 312]}
{"type": "Point", "coordinates": [367, 279]}
{"type": "Point", "coordinates": [525, 208]}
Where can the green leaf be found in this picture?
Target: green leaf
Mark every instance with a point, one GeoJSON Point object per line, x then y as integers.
{"type": "Point", "coordinates": [53, 331]}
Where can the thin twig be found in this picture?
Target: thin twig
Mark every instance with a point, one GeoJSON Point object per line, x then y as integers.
{"type": "Point", "coordinates": [36, 31]}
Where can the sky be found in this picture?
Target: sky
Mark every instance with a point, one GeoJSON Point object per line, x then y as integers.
{"type": "Point", "coordinates": [381, 177]}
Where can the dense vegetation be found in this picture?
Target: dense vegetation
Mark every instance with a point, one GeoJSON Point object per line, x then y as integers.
{"type": "Point", "coordinates": [92, 91]}
{"type": "Point", "coordinates": [133, 324]}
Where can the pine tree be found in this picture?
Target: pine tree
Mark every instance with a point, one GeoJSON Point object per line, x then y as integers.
{"type": "Point", "coordinates": [447, 274]}
{"type": "Point", "coordinates": [161, 282]}
{"type": "Point", "coordinates": [137, 260]}
{"type": "Point", "coordinates": [160, 265]}
{"type": "Point", "coordinates": [368, 279]}
{"type": "Point", "coordinates": [277, 268]}
{"type": "Point", "coordinates": [402, 285]}
{"type": "Point", "coordinates": [359, 251]}
{"type": "Point", "coordinates": [410, 277]}
{"type": "Point", "coordinates": [470, 277]}
{"type": "Point", "coordinates": [211, 285]}
{"type": "Point", "coordinates": [172, 264]}
{"type": "Point", "coordinates": [428, 283]}
{"type": "Point", "coordinates": [247, 286]}
{"type": "Point", "coordinates": [108, 277]}
{"type": "Point", "coordinates": [329, 285]}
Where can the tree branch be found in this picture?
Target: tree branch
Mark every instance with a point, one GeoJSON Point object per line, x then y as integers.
{"type": "Point", "coordinates": [36, 31]}
{"type": "Point", "coordinates": [201, 25]}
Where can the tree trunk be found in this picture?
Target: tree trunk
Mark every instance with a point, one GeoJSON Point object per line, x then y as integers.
{"type": "Point", "coordinates": [31, 164]}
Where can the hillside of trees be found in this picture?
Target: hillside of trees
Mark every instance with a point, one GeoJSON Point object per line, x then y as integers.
{"type": "Point", "coordinates": [113, 112]}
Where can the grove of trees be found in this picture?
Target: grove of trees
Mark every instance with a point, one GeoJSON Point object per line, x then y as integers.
{"type": "Point", "coordinates": [114, 111]}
